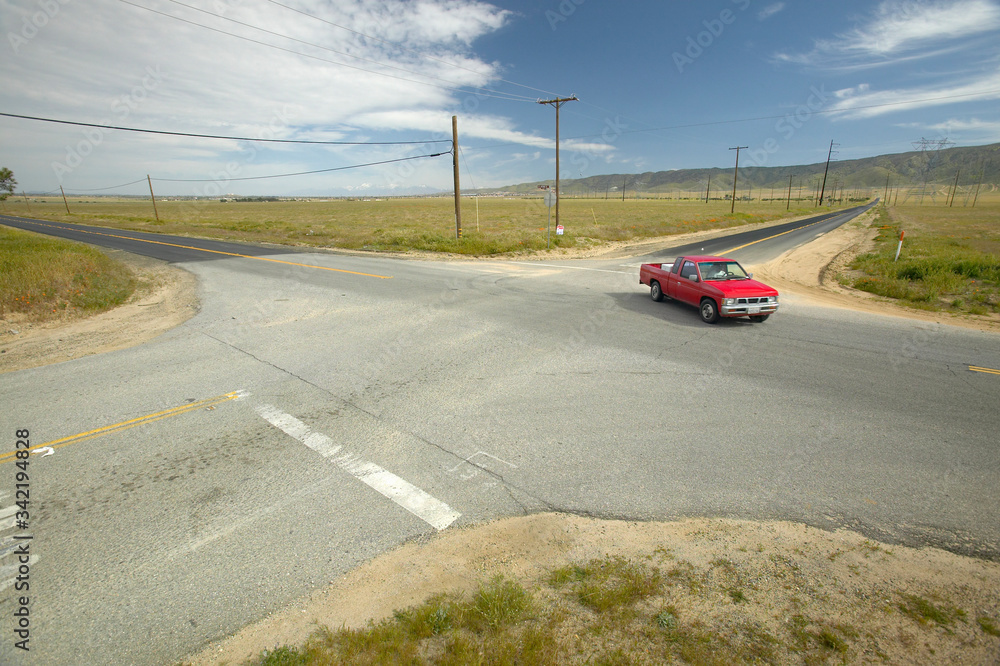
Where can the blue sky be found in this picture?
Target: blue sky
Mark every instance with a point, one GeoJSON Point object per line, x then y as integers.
{"type": "Point", "coordinates": [662, 85]}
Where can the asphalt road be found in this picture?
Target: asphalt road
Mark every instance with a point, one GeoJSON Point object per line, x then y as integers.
{"type": "Point", "coordinates": [321, 409]}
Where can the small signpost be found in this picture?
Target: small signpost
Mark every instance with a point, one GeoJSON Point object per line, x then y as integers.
{"type": "Point", "coordinates": [550, 201]}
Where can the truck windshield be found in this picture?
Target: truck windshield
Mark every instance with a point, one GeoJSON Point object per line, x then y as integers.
{"type": "Point", "coordinates": [722, 270]}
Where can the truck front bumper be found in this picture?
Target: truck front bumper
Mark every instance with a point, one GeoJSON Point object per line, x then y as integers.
{"type": "Point", "coordinates": [744, 309]}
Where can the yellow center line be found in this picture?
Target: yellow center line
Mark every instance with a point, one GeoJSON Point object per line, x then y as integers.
{"type": "Point", "coordinates": [228, 254]}
{"type": "Point", "coordinates": [991, 371]}
{"type": "Point", "coordinates": [125, 425]}
{"type": "Point", "coordinates": [775, 236]}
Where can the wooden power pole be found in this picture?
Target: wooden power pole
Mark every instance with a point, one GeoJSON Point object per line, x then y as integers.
{"type": "Point", "coordinates": [152, 196]}
{"type": "Point", "coordinates": [458, 191]}
{"type": "Point", "coordinates": [822, 190]}
{"type": "Point", "coordinates": [736, 174]}
{"type": "Point", "coordinates": [558, 102]}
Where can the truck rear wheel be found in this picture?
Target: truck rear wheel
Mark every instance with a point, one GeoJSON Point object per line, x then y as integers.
{"type": "Point", "coordinates": [709, 311]}
{"type": "Point", "coordinates": [655, 292]}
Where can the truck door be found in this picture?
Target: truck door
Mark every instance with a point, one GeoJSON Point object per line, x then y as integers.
{"type": "Point", "coordinates": [687, 284]}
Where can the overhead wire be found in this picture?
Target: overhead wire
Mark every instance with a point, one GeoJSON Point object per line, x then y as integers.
{"type": "Point", "coordinates": [466, 89]}
{"type": "Point", "coordinates": [218, 136]}
{"type": "Point", "coordinates": [757, 118]}
{"type": "Point", "coordinates": [299, 173]}
{"type": "Point", "coordinates": [113, 187]}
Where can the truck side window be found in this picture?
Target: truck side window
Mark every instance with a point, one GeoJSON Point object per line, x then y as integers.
{"type": "Point", "coordinates": [677, 266]}
{"type": "Point", "coordinates": [689, 271]}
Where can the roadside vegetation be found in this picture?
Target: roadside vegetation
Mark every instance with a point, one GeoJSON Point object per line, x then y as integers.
{"type": "Point", "coordinates": [43, 277]}
{"type": "Point", "coordinates": [490, 225]}
{"type": "Point", "coordinates": [754, 608]}
{"type": "Point", "coordinates": [950, 260]}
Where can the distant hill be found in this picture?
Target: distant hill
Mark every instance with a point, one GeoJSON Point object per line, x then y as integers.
{"type": "Point", "coordinates": [915, 168]}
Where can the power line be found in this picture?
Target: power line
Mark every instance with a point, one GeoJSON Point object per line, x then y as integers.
{"type": "Point", "coordinates": [755, 119]}
{"type": "Point", "coordinates": [300, 173]}
{"type": "Point", "coordinates": [505, 96]}
{"type": "Point", "coordinates": [114, 187]}
{"type": "Point", "coordinates": [217, 136]}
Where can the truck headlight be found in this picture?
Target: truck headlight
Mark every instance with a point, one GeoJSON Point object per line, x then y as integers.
{"type": "Point", "coordinates": [729, 301]}
{"type": "Point", "coordinates": [772, 299]}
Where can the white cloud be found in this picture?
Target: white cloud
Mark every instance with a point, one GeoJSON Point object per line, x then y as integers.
{"type": "Point", "coordinates": [770, 11]}
{"type": "Point", "coordinates": [899, 27]}
{"type": "Point", "coordinates": [863, 102]}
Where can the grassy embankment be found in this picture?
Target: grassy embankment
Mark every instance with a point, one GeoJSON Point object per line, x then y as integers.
{"type": "Point", "coordinates": [42, 278]}
{"type": "Point", "coordinates": [426, 224]}
{"type": "Point", "coordinates": [616, 611]}
{"type": "Point", "coordinates": [950, 259]}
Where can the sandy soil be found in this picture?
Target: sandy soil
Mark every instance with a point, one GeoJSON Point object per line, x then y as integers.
{"type": "Point", "coordinates": [791, 569]}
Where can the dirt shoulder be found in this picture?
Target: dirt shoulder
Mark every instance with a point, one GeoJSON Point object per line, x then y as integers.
{"type": "Point", "coordinates": [794, 583]}
{"type": "Point", "coordinates": [167, 299]}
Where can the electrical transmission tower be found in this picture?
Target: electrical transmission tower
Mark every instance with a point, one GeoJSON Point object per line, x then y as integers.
{"type": "Point", "coordinates": [929, 152]}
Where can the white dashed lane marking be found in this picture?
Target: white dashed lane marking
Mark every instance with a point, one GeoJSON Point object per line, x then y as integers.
{"type": "Point", "coordinates": [429, 509]}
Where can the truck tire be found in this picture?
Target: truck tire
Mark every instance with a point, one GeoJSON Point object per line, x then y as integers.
{"type": "Point", "coordinates": [655, 292]}
{"type": "Point", "coordinates": [709, 311]}
{"type": "Point", "coordinates": [760, 319]}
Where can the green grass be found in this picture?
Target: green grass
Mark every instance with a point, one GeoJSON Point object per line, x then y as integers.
{"type": "Point", "coordinates": [925, 611]}
{"type": "Point", "coordinates": [491, 226]}
{"type": "Point", "coordinates": [41, 277]}
{"type": "Point", "coordinates": [950, 260]}
{"type": "Point", "coordinates": [988, 626]}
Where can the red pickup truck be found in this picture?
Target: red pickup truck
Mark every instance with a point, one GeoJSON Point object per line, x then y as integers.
{"type": "Point", "coordinates": [719, 287]}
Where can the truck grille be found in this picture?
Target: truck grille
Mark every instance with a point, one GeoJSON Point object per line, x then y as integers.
{"type": "Point", "coordinates": [753, 301]}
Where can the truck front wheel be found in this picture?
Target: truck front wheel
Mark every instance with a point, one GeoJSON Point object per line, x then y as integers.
{"type": "Point", "coordinates": [655, 292]}
{"type": "Point", "coordinates": [709, 311]}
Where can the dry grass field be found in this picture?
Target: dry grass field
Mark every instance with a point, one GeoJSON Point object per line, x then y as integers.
{"type": "Point", "coordinates": [950, 259]}
{"type": "Point", "coordinates": [490, 225]}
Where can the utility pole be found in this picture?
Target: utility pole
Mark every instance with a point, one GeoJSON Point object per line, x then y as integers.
{"type": "Point", "coordinates": [558, 102]}
{"type": "Point", "coordinates": [64, 199]}
{"type": "Point", "coordinates": [886, 202]}
{"type": "Point", "coordinates": [458, 191]}
{"type": "Point", "coordinates": [982, 171]}
{"type": "Point", "coordinates": [709, 188]}
{"type": "Point", "coordinates": [152, 196]}
{"type": "Point", "coordinates": [954, 189]}
{"type": "Point", "coordinates": [624, 184]}
{"type": "Point", "coordinates": [789, 205]}
{"type": "Point", "coordinates": [736, 173]}
{"type": "Point", "coordinates": [823, 189]}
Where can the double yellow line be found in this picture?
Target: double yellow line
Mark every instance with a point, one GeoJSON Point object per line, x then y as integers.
{"type": "Point", "coordinates": [125, 425]}
{"type": "Point", "coordinates": [991, 371]}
